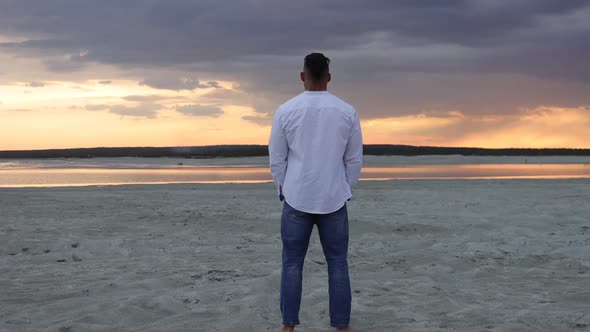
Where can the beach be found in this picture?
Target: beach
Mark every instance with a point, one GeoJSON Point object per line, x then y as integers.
{"type": "Point", "coordinates": [425, 255]}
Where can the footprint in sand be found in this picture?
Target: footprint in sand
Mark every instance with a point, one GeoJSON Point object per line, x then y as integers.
{"type": "Point", "coordinates": [222, 275]}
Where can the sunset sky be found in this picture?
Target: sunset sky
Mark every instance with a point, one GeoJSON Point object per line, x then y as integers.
{"type": "Point", "coordinates": [485, 73]}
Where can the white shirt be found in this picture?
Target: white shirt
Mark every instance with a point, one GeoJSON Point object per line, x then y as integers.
{"type": "Point", "coordinates": [316, 151]}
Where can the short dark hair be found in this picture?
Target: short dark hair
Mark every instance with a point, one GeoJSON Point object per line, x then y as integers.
{"type": "Point", "coordinates": [317, 65]}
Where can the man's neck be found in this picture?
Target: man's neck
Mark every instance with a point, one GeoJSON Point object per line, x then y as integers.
{"type": "Point", "coordinates": [317, 89]}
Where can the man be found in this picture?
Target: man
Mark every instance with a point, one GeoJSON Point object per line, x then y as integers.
{"type": "Point", "coordinates": [316, 152]}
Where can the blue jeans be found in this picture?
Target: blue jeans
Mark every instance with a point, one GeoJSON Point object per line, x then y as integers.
{"type": "Point", "coordinates": [296, 228]}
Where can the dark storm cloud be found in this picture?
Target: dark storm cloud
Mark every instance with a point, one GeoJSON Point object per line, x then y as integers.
{"type": "Point", "coordinates": [464, 22]}
{"type": "Point", "coordinates": [389, 57]}
{"type": "Point", "coordinates": [173, 32]}
{"type": "Point", "coordinates": [69, 63]}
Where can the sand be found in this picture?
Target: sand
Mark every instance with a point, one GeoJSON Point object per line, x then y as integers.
{"type": "Point", "coordinates": [425, 255]}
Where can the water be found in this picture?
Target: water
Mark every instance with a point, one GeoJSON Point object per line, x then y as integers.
{"type": "Point", "coordinates": [116, 171]}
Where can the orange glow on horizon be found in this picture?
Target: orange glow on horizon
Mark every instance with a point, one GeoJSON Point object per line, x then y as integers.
{"type": "Point", "coordinates": [55, 116]}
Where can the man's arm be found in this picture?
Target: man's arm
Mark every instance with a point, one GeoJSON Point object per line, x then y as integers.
{"type": "Point", "coordinates": [353, 154]}
{"type": "Point", "coordinates": [278, 150]}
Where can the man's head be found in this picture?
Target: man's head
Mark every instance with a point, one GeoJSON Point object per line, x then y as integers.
{"type": "Point", "coordinates": [316, 72]}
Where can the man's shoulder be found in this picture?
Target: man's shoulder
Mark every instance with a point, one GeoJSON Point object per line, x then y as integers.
{"type": "Point", "coordinates": [339, 102]}
{"type": "Point", "coordinates": [343, 107]}
{"type": "Point", "coordinates": [330, 99]}
{"type": "Point", "coordinates": [285, 106]}
{"type": "Point", "coordinates": [292, 101]}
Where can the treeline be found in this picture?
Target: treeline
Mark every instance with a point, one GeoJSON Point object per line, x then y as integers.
{"type": "Point", "coordinates": [409, 150]}
{"type": "Point", "coordinates": [147, 152]}
{"type": "Point", "coordinates": [262, 150]}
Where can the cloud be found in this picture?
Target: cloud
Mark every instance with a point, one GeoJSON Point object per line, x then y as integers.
{"type": "Point", "coordinates": [471, 94]}
{"type": "Point", "coordinates": [96, 107]}
{"type": "Point", "coordinates": [143, 110]}
{"type": "Point", "coordinates": [173, 83]}
{"type": "Point", "coordinates": [228, 96]}
{"type": "Point", "coordinates": [539, 127]}
{"type": "Point", "coordinates": [35, 84]}
{"type": "Point", "coordinates": [146, 109]}
{"type": "Point", "coordinates": [200, 110]}
{"type": "Point", "coordinates": [152, 98]}
{"type": "Point", "coordinates": [264, 121]}
{"type": "Point", "coordinates": [68, 62]}
{"type": "Point", "coordinates": [214, 84]}
{"type": "Point", "coordinates": [390, 58]}
{"type": "Point", "coordinates": [105, 82]}
{"type": "Point", "coordinates": [165, 32]}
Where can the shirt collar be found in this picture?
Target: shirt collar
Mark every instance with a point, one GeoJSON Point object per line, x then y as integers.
{"type": "Point", "coordinates": [307, 92]}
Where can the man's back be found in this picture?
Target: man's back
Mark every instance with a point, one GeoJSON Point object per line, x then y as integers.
{"type": "Point", "coordinates": [316, 151]}
{"type": "Point", "coordinates": [318, 136]}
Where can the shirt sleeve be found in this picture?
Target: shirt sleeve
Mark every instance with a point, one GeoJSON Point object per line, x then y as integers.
{"type": "Point", "coordinates": [353, 154]}
{"type": "Point", "coordinates": [278, 150]}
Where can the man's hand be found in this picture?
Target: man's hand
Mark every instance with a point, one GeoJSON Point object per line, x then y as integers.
{"type": "Point", "coordinates": [281, 197]}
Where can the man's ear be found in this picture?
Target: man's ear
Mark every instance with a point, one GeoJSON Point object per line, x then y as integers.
{"type": "Point", "coordinates": [302, 75]}
{"type": "Point", "coordinates": [329, 77]}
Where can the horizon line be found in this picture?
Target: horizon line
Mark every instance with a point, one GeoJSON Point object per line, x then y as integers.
{"type": "Point", "coordinates": [262, 145]}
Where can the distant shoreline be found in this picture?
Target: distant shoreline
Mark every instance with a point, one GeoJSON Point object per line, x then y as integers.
{"type": "Point", "coordinates": [216, 151]}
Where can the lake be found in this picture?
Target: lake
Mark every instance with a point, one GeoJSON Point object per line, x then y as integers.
{"type": "Point", "coordinates": [117, 171]}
